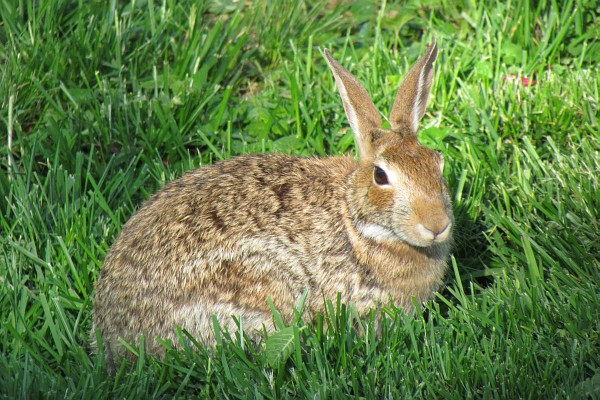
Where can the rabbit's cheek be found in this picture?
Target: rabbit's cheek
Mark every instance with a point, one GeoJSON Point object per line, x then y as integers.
{"type": "Point", "coordinates": [381, 198]}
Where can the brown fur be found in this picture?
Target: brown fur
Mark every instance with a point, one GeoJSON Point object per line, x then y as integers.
{"type": "Point", "coordinates": [221, 239]}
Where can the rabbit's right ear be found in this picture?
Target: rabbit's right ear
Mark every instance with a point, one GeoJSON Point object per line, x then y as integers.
{"type": "Point", "coordinates": [360, 110]}
{"type": "Point", "coordinates": [413, 93]}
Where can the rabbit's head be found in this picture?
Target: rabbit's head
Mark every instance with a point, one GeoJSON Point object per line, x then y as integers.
{"type": "Point", "coordinates": [398, 192]}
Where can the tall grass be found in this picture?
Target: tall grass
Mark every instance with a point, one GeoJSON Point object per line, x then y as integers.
{"type": "Point", "coordinates": [101, 103]}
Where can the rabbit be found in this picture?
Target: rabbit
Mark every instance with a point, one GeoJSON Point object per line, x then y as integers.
{"type": "Point", "coordinates": [222, 239]}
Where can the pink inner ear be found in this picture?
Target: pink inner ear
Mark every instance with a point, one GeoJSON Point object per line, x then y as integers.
{"type": "Point", "coordinates": [362, 114]}
{"type": "Point", "coordinates": [413, 94]}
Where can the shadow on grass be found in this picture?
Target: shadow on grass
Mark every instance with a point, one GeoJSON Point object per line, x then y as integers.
{"type": "Point", "coordinates": [471, 252]}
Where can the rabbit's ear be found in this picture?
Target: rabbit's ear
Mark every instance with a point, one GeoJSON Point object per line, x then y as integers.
{"type": "Point", "coordinates": [360, 110]}
{"type": "Point", "coordinates": [413, 94]}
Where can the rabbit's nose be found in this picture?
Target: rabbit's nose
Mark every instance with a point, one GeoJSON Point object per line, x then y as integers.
{"type": "Point", "coordinates": [436, 231]}
{"type": "Point", "coordinates": [445, 232]}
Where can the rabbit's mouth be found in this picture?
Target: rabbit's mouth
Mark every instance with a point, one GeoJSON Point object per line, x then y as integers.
{"type": "Point", "coordinates": [419, 235]}
{"type": "Point", "coordinates": [433, 235]}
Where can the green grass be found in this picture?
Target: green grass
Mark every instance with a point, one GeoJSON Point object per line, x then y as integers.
{"type": "Point", "coordinates": [102, 102]}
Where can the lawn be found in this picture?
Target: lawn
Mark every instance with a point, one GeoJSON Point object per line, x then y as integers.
{"type": "Point", "coordinates": [103, 102]}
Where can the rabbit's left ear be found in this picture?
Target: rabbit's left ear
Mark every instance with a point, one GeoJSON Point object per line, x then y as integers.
{"type": "Point", "coordinates": [413, 94]}
{"type": "Point", "coordinates": [360, 110]}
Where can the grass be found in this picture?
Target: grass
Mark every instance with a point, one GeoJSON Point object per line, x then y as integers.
{"type": "Point", "coordinates": [101, 103]}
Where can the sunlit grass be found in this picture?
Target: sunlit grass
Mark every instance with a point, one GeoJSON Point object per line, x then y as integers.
{"type": "Point", "coordinates": [101, 103]}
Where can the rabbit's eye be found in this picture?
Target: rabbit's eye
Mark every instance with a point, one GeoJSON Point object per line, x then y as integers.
{"type": "Point", "coordinates": [380, 176]}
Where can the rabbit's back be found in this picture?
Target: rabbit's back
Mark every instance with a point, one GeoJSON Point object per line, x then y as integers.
{"type": "Point", "coordinates": [221, 239]}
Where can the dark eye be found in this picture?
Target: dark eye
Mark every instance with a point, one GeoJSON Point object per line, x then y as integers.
{"type": "Point", "coordinates": [380, 176]}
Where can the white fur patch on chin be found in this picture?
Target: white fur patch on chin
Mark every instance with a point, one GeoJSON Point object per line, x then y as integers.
{"type": "Point", "coordinates": [376, 232]}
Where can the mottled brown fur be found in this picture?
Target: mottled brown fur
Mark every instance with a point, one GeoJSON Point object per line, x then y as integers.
{"type": "Point", "coordinates": [221, 239]}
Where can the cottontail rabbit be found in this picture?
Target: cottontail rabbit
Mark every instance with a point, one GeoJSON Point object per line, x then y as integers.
{"type": "Point", "coordinates": [222, 238]}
